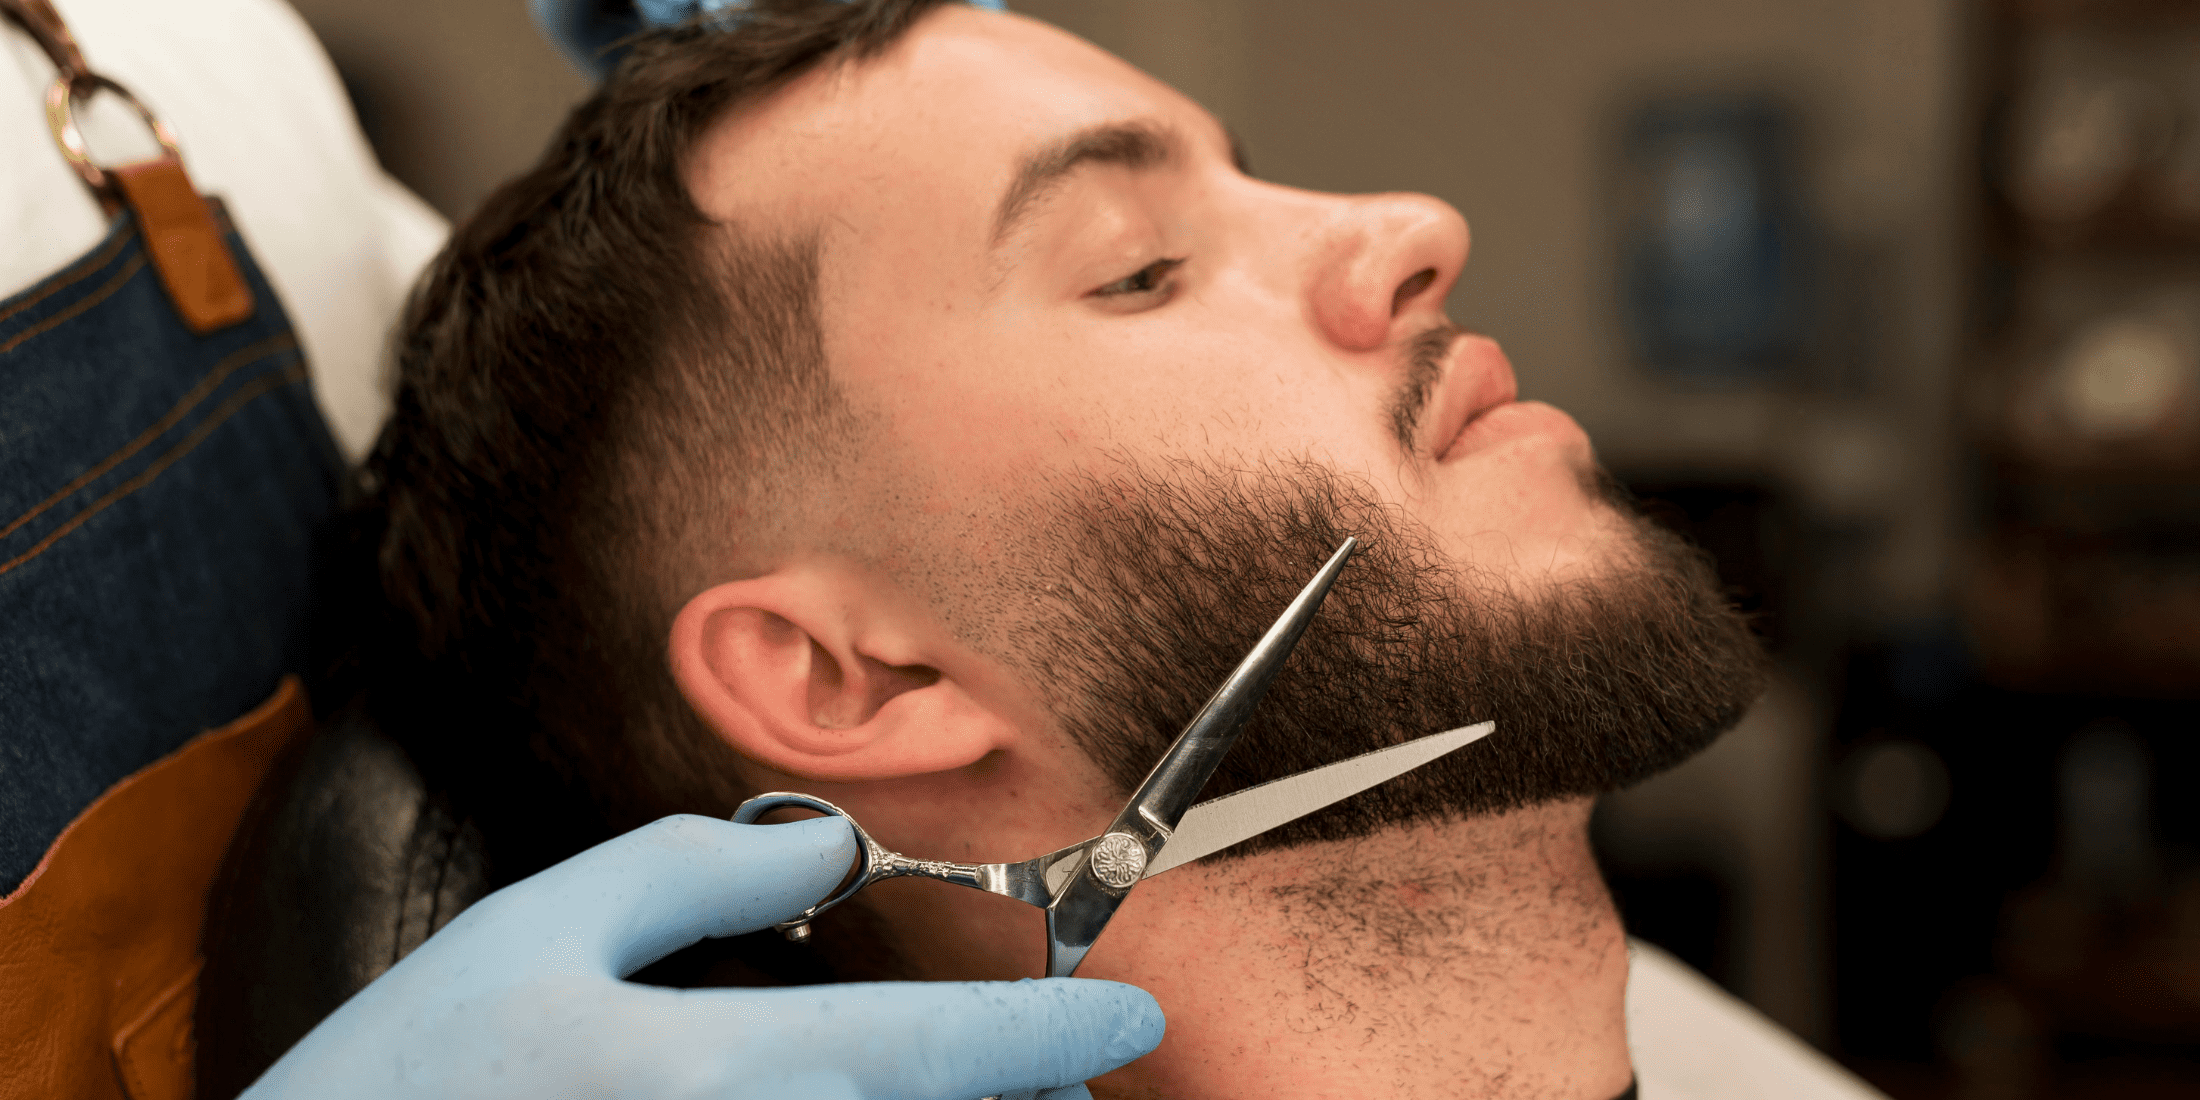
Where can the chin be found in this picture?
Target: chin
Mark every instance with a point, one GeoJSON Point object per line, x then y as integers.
{"type": "Point", "coordinates": [1569, 521]}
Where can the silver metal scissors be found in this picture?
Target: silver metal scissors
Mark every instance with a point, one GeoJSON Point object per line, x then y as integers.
{"type": "Point", "coordinates": [1081, 886]}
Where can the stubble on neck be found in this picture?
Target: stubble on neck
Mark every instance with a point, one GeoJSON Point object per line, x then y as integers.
{"type": "Point", "coordinates": [1476, 957]}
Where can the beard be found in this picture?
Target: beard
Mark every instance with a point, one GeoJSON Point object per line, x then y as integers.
{"type": "Point", "coordinates": [1152, 586]}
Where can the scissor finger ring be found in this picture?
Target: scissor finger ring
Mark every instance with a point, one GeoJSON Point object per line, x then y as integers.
{"type": "Point", "coordinates": [873, 860]}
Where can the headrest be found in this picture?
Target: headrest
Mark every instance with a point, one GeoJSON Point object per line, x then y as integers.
{"type": "Point", "coordinates": [351, 856]}
{"type": "Point", "coordinates": [346, 862]}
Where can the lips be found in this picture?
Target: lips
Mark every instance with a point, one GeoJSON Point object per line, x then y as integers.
{"type": "Point", "coordinates": [1477, 379]}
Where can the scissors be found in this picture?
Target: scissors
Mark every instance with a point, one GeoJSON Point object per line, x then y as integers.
{"type": "Point", "coordinates": [1081, 886]}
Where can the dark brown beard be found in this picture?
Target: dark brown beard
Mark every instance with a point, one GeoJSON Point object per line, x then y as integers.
{"type": "Point", "coordinates": [1152, 587]}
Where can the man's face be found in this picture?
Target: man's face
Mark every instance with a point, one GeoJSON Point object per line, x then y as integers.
{"type": "Point", "coordinates": [1037, 259]}
{"type": "Point", "coordinates": [1126, 398]}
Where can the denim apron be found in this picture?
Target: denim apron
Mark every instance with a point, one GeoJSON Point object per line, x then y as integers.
{"type": "Point", "coordinates": [164, 473]}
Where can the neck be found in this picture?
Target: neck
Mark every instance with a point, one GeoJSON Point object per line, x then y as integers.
{"type": "Point", "coordinates": [1471, 959]}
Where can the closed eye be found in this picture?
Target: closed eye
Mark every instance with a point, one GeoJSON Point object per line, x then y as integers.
{"type": "Point", "coordinates": [1148, 280]}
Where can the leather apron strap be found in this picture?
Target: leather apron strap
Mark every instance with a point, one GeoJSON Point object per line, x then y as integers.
{"type": "Point", "coordinates": [181, 237]}
{"type": "Point", "coordinates": [52, 35]}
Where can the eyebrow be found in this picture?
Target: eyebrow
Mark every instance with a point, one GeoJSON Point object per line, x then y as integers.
{"type": "Point", "coordinates": [1133, 145]}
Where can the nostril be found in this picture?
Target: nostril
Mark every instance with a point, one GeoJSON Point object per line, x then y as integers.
{"type": "Point", "coordinates": [1411, 288]}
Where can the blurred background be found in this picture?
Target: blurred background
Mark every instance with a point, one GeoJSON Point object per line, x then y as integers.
{"type": "Point", "coordinates": [1892, 304]}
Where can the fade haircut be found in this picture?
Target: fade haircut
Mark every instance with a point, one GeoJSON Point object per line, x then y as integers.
{"type": "Point", "coordinates": [593, 377]}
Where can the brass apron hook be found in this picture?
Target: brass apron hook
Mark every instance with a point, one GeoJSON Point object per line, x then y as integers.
{"type": "Point", "coordinates": [74, 83]}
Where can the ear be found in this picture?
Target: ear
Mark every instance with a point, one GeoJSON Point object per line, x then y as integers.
{"type": "Point", "coordinates": [810, 674]}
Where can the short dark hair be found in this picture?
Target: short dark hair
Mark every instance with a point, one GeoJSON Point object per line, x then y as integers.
{"type": "Point", "coordinates": [590, 373]}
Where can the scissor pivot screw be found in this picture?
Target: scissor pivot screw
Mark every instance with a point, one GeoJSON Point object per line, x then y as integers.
{"type": "Point", "coordinates": [1118, 860]}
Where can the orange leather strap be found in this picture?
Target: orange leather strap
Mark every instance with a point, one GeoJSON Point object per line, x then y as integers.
{"type": "Point", "coordinates": [186, 245]}
{"type": "Point", "coordinates": [99, 948]}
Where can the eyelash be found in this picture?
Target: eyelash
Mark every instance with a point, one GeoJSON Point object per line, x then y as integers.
{"type": "Point", "coordinates": [1153, 276]}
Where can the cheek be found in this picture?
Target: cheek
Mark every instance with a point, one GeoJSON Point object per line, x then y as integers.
{"type": "Point", "coordinates": [1231, 392]}
{"type": "Point", "coordinates": [956, 395]}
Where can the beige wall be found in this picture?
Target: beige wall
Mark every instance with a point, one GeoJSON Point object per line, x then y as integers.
{"type": "Point", "coordinates": [464, 93]}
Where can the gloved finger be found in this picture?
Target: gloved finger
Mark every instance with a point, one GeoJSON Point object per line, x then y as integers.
{"type": "Point", "coordinates": [636, 898]}
{"type": "Point", "coordinates": [922, 1040]}
{"type": "Point", "coordinates": [666, 13]}
{"type": "Point", "coordinates": [590, 33]}
{"type": "Point", "coordinates": [808, 1086]}
{"type": "Point", "coordinates": [1077, 1091]}
{"type": "Point", "coordinates": [586, 31]}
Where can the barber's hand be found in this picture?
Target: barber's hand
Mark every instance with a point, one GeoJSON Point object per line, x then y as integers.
{"type": "Point", "coordinates": [588, 32]}
{"type": "Point", "coordinates": [521, 995]}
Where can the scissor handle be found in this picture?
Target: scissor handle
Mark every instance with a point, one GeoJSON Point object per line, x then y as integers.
{"type": "Point", "coordinates": [869, 855]}
{"type": "Point", "coordinates": [873, 861]}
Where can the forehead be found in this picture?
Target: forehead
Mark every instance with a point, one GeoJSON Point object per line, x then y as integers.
{"type": "Point", "coordinates": [923, 139]}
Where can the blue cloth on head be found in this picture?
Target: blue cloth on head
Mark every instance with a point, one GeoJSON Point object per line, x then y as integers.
{"type": "Point", "coordinates": [591, 33]}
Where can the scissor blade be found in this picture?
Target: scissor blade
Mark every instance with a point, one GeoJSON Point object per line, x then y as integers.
{"type": "Point", "coordinates": [1087, 900]}
{"type": "Point", "coordinates": [1239, 816]}
{"type": "Point", "coordinates": [1174, 782]}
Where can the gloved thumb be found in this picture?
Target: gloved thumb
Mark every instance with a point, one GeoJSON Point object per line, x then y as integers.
{"type": "Point", "coordinates": [636, 898]}
{"type": "Point", "coordinates": [916, 1040]}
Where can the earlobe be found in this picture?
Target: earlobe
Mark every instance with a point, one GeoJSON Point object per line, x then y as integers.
{"type": "Point", "coordinates": [783, 668]}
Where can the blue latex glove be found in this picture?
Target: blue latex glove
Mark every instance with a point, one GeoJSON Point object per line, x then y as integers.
{"type": "Point", "coordinates": [521, 995]}
{"type": "Point", "coordinates": [588, 32]}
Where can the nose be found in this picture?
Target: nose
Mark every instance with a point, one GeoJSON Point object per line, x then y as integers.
{"type": "Point", "coordinates": [1386, 255]}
